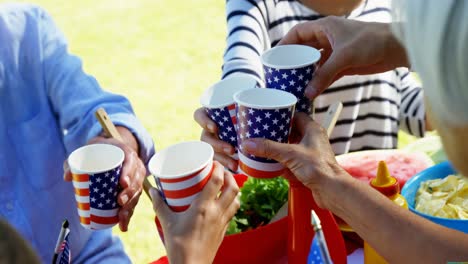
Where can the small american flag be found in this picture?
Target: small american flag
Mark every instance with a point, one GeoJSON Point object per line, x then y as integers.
{"type": "Point", "coordinates": [97, 198]}
{"type": "Point", "coordinates": [226, 120]}
{"type": "Point", "coordinates": [273, 124]}
{"type": "Point", "coordinates": [293, 81]}
{"type": "Point", "coordinates": [65, 253]}
{"type": "Point", "coordinates": [315, 255]}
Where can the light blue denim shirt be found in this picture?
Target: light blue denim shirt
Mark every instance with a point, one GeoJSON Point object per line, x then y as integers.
{"type": "Point", "coordinates": [47, 106]}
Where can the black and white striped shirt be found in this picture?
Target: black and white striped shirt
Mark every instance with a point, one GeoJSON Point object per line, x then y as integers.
{"type": "Point", "coordinates": [375, 106]}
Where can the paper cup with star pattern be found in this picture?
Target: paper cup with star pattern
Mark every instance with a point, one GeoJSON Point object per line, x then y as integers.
{"type": "Point", "coordinates": [290, 68]}
{"type": "Point", "coordinates": [219, 105]}
{"type": "Point", "coordinates": [96, 172]}
{"type": "Point", "coordinates": [263, 113]}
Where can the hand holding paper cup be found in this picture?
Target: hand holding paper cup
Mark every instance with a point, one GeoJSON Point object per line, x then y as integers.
{"type": "Point", "coordinates": [96, 172]}
{"type": "Point", "coordinates": [290, 68]}
{"type": "Point", "coordinates": [181, 171]}
{"type": "Point", "coordinates": [263, 113]}
{"type": "Point", "coordinates": [219, 105]}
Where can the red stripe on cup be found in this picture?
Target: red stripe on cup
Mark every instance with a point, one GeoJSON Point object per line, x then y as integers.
{"type": "Point", "coordinates": [104, 220]}
{"type": "Point", "coordinates": [258, 173]}
{"type": "Point", "coordinates": [180, 179]}
{"type": "Point", "coordinates": [80, 177]}
{"type": "Point", "coordinates": [188, 191]}
{"type": "Point", "coordinates": [85, 220]}
{"type": "Point", "coordinates": [83, 206]}
{"type": "Point", "coordinates": [179, 208]}
{"type": "Point", "coordinates": [82, 192]}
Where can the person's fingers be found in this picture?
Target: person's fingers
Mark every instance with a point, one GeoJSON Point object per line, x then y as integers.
{"type": "Point", "coordinates": [131, 178]}
{"type": "Point", "coordinates": [232, 209]}
{"type": "Point", "coordinates": [324, 76]}
{"type": "Point", "coordinates": [226, 160]}
{"type": "Point", "coordinates": [124, 219]}
{"type": "Point", "coordinates": [230, 190]}
{"type": "Point", "coordinates": [217, 144]}
{"type": "Point", "coordinates": [212, 187]}
{"type": "Point", "coordinates": [126, 212]}
{"type": "Point", "coordinates": [159, 206]}
{"type": "Point", "coordinates": [300, 124]}
{"type": "Point", "coordinates": [301, 34]}
{"type": "Point", "coordinates": [202, 118]}
{"type": "Point", "coordinates": [269, 149]}
{"type": "Point", "coordinates": [67, 175]}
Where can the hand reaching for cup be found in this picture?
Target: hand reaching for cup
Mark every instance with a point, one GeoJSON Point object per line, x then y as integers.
{"type": "Point", "coordinates": [223, 150]}
{"type": "Point", "coordinates": [196, 234]}
{"type": "Point", "coordinates": [312, 161]}
{"type": "Point", "coordinates": [132, 174]}
{"type": "Point", "coordinates": [349, 47]}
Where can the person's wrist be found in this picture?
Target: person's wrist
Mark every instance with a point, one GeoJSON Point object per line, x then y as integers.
{"type": "Point", "coordinates": [128, 138]}
{"type": "Point", "coordinates": [393, 47]}
{"type": "Point", "coordinates": [180, 250]}
{"type": "Point", "coordinates": [335, 187]}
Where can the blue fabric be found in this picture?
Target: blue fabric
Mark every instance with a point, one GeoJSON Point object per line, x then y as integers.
{"type": "Point", "coordinates": [47, 106]}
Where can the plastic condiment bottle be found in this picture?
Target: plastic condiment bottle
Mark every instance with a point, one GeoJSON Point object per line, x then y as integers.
{"type": "Point", "coordinates": [388, 186]}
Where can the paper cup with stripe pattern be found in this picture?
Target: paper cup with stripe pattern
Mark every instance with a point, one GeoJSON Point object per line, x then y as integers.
{"type": "Point", "coordinates": [290, 68]}
{"type": "Point", "coordinates": [263, 113]}
{"type": "Point", "coordinates": [181, 171]}
{"type": "Point", "coordinates": [219, 105]}
{"type": "Point", "coordinates": [96, 172]}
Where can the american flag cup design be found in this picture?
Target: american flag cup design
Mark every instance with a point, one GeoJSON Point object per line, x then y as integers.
{"type": "Point", "coordinates": [290, 68]}
{"type": "Point", "coordinates": [96, 173]}
{"type": "Point", "coordinates": [181, 172]}
{"type": "Point", "coordinates": [263, 113]}
{"type": "Point", "coordinates": [220, 107]}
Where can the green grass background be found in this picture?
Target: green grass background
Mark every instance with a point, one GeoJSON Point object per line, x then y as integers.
{"type": "Point", "coordinates": [161, 55]}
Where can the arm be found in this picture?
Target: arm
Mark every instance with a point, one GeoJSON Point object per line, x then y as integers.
{"type": "Point", "coordinates": [349, 47]}
{"type": "Point", "coordinates": [246, 40]}
{"type": "Point", "coordinates": [74, 97]}
{"type": "Point", "coordinates": [397, 234]}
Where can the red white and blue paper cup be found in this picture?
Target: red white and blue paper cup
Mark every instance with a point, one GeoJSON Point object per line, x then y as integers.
{"type": "Point", "coordinates": [96, 172]}
{"type": "Point", "coordinates": [181, 171]}
{"type": "Point", "coordinates": [290, 68]}
{"type": "Point", "coordinates": [219, 104]}
{"type": "Point", "coordinates": [263, 113]}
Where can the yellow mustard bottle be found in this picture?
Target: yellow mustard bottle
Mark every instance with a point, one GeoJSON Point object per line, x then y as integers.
{"type": "Point", "coordinates": [388, 186]}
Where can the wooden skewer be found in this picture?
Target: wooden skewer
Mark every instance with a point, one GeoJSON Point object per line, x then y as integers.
{"type": "Point", "coordinates": [328, 122]}
{"type": "Point", "coordinates": [111, 131]}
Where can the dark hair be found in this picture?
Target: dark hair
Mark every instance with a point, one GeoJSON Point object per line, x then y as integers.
{"type": "Point", "coordinates": [13, 248]}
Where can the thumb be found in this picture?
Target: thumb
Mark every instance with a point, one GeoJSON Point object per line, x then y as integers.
{"type": "Point", "coordinates": [159, 205]}
{"type": "Point", "coordinates": [326, 74]}
{"type": "Point", "coordinates": [67, 175]}
{"type": "Point", "coordinates": [268, 149]}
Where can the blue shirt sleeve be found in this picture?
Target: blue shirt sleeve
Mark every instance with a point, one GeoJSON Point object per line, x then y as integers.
{"type": "Point", "coordinates": [75, 96]}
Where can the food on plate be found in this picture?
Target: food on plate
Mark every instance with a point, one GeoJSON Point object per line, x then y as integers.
{"type": "Point", "coordinates": [260, 200]}
{"type": "Point", "coordinates": [401, 164]}
{"type": "Point", "coordinates": [446, 197]}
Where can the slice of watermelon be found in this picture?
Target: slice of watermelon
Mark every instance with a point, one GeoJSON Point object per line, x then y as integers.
{"type": "Point", "coordinates": [401, 164]}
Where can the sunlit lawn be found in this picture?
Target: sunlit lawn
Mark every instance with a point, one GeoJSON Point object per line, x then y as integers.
{"type": "Point", "coordinates": [161, 55]}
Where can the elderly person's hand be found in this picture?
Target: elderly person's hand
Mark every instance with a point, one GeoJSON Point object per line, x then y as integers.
{"type": "Point", "coordinates": [312, 161]}
{"type": "Point", "coordinates": [223, 150]}
{"type": "Point", "coordinates": [349, 47]}
{"type": "Point", "coordinates": [132, 175]}
{"type": "Point", "coordinates": [195, 235]}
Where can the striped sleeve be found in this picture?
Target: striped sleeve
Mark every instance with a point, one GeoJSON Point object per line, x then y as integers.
{"type": "Point", "coordinates": [246, 38]}
{"type": "Point", "coordinates": [412, 111]}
